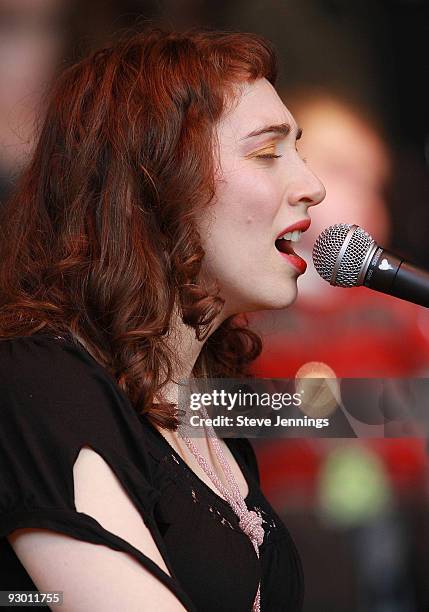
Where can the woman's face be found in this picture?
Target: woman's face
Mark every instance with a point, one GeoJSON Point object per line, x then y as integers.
{"type": "Point", "coordinates": [258, 197]}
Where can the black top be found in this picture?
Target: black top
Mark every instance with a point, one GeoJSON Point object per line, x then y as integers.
{"type": "Point", "coordinates": [56, 398]}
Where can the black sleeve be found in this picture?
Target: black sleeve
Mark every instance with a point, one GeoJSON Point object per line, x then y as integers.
{"type": "Point", "coordinates": [55, 399]}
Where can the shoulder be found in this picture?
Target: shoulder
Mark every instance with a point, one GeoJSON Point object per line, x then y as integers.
{"type": "Point", "coordinates": [50, 382]}
{"type": "Point", "coordinates": [54, 400]}
{"type": "Point", "coordinates": [39, 358]}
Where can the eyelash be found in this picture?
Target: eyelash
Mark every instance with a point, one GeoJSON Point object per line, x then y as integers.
{"type": "Point", "coordinates": [270, 156]}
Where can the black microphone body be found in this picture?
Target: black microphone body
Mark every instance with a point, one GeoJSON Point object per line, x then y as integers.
{"type": "Point", "coordinates": [390, 274]}
{"type": "Point", "coordinates": [346, 255]}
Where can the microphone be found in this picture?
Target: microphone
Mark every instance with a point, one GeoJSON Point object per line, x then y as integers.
{"type": "Point", "coordinates": [345, 255]}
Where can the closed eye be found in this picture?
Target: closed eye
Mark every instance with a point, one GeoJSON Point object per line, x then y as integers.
{"type": "Point", "coordinates": [267, 153]}
{"type": "Point", "coordinates": [268, 156]}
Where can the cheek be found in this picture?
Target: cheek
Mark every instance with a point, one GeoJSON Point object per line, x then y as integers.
{"type": "Point", "coordinates": [241, 224]}
{"type": "Point", "coordinates": [248, 199]}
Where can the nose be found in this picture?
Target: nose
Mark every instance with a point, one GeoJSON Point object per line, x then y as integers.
{"type": "Point", "coordinates": [307, 188]}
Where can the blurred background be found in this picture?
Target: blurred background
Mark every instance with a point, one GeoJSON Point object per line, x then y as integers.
{"type": "Point", "coordinates": [354, 74]}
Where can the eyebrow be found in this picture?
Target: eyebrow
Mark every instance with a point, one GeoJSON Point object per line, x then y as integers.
{"type": "Point", "coordinates": [280, 128]}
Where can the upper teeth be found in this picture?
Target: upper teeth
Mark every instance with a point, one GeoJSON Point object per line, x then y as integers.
{"type": "Point", "coordinates": [294, 236]}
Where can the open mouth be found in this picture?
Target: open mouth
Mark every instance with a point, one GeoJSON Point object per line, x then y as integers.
{"type": "Point", "coordinates": [285, 243]}
{"type": "Point", "coordinates": [284, 246]}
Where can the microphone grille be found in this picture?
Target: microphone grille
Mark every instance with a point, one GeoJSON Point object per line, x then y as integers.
{"type": "Point", "coordinates": [327, 248]}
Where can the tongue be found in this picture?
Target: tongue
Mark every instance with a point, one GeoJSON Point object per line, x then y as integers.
{"type": "Point", "coordinates": [284, 246]}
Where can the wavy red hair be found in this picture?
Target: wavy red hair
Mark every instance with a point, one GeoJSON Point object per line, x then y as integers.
{"type": "Point", "coordinates": [99, 240]}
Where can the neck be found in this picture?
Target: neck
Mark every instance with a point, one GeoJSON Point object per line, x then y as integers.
{"type": "Point", "coordinates": [186, 349]}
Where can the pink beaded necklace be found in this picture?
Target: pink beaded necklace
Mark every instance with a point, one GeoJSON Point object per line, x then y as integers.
{"type": "Point", "coordinates": [250, 522]}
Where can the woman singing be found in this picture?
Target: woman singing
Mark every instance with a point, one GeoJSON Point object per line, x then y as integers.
{"type": "Point", "coordinates": [150, 218]}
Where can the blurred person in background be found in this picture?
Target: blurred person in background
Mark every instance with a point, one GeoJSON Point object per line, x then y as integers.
{"type": "Point", "coordinates": [38, 38]}
{"type": "Point", "coordinates": [31, 42]}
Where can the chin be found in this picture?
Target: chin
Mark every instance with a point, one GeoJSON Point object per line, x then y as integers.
{"type": "Point", "coordinates": [276, 296]}
{"type": "Point", "coordinates": [275, 302]}
{"type": "Point", "coordinates": [284, 302]}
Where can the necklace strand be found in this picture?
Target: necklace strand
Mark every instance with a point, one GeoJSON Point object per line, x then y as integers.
{"type": "Point", "coordinates": [249, 521]}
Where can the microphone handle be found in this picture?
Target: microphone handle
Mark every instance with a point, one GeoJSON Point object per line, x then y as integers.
{"type": "Point", "coordinates": [392, 275]}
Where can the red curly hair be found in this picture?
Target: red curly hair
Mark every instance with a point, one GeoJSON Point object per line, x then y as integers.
{"type": "Point", "coordinates": [99, 240]}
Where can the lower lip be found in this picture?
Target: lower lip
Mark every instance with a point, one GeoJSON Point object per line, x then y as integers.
{"type": "Point", "coordinates": [296, 261]}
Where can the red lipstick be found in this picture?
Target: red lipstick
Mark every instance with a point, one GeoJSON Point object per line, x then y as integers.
{"type": "Point", "coordinates": [302, 225]}
{"type": "Point", "coordinates": [296, 261]}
